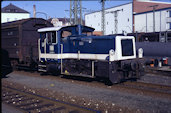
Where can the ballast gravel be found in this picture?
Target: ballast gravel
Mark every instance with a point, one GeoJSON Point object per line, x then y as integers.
{"type": "Point", "coordinates": [156, 79]}
{"type": "Point", "coordinates": [104, 99]}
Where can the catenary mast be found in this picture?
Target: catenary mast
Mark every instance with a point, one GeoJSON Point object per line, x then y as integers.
{"type": "Point", "coordinates": [75, 12]}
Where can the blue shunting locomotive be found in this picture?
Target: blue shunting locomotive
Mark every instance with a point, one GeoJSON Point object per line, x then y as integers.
{"type": "Point", "coordinates": [74, 50]}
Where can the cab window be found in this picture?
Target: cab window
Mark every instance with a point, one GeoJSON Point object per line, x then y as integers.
{"type": "Point", "coordinates": [65, 34]}
{"type": "Point", "coordinates": [88, 33]}
{"type": "Point", "coordinates": [127, 47]}
{"type": "Point", "coordinates": [43, 36]}
{"type": "Point", "coordinates": [51, 37]}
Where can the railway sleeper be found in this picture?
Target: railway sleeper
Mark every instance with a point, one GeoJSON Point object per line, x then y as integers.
{"type": "Point", "coordinates": [15, 97]}
{"type": "Point", "coordinates": [29, 103]}
{"type": "Point", "coordinates": [9, 94]}
{"type": "Point", "coordinates": [54, 109]}
{"type": "Point", "coordinates": [37, 106]}
{"type": "Point", "coordinates": [12, 101]}
{"type": "Point", "coordinates": [74, 111]}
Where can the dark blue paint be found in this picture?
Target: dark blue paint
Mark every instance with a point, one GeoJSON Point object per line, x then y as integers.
{"type": "Point", "coordinates": [79, 42]}
{"type": "Point", "coordinates": [93, 44]}
{"type": "Point", "coordinates": [170, 16]}
{"type": "Point", "coordinates": [42, 59]}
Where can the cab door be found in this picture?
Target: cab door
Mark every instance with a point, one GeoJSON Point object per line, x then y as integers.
{"type": "Point", "coordinates": [52, 42]}
{"type": "Point", "coordinates": [42, 42]}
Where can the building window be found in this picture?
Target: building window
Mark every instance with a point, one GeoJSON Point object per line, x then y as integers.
{"type": "Point", "coordinates": [128, 19]}
{"type": "Point", "coordinates": [8, 19]}
{"type": "Point", "coordinates": [10, 33]}
{"type": "Point", "coordinates": [7, 10]}
{"type": "Point", "coordinates": [12, 10]}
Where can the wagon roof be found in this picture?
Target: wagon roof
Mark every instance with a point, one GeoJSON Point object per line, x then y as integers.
{"type": "Point", "coordinates": [18, 22]}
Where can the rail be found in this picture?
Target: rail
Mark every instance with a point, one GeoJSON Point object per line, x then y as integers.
{"type": "Point", "coordinates": [31, 102]}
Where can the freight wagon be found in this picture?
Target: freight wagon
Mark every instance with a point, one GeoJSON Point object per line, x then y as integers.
{"type": "Point", "coordinates": [6, 67]}
{"type": "Point", "coordinates": [156, 52]}
{"type": "Point", "coordinates": [20, 38]}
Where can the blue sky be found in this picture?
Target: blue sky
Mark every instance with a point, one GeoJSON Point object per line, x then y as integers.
{"type": "Point", "coordinates": [57, 8]}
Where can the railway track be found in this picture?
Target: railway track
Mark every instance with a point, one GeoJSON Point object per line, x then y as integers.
{"type": "Point", "coordinates": [33, 103]}
{"type": "Point", "coordinates": [156, 89]}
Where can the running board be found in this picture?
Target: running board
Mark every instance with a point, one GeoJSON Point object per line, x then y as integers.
{"type": "Point", "coordinates": [42, 65]}
{"type": "Point", "coordinates": [42, 70]}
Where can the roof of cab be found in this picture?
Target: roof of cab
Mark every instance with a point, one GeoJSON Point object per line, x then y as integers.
{"type": "Point", "coordinates": [67, 28]}
{"type": "Point", "coordinates": [83, 28]}
{"type": "Point", "coordinates": [49, 29]}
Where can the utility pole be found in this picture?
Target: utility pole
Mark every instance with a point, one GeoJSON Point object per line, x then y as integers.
{"type": "Point", "coordinates": [115, 19]}
{"type": "Point", "coordinates": [103, 17]}
{"type": "Point", "coordinates": [76, 11]}
{"type": "Point", "coordinates": [154, 8]}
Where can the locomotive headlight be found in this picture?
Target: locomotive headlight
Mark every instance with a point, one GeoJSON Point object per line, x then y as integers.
{"type": "Point", "coordinates": [140, 53]}
{"type": "Point", "coordinates": [111, 55]}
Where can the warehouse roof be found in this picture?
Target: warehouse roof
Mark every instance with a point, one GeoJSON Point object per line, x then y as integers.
{"type": "Point", "coordinates": [12, 9]}
{"type": "Point", "coordinates": [144, 6]}
{"type": "Point", "coordinates": [109, 8]}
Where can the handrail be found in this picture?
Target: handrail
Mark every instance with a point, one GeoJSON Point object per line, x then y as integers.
{"type": "Point", "coordinates": [61, 58]}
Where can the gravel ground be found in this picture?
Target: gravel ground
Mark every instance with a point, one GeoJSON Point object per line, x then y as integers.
{"type": "Point", "coordinates": [100, 98]}
{"type": "Point", "coordinates": [8, 109]}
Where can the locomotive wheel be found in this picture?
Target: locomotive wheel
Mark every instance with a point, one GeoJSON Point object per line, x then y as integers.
{"type": "Point", "coordinates": [116, 77]}
{"type": "Point", "coordinates": [140, 71]}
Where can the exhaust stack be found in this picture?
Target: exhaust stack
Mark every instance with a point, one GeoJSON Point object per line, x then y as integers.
{"type": "Point", "coordinates": [34, 11]}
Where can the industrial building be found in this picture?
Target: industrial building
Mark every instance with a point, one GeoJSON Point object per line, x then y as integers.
{"type": "Point", "coordinates": [153, 19]}
{"type": "Point", "coordinates": [135, 18]}
{"type": "Point", "coordinates": [13, 13]}
{"type": "Point", "coordinates": [114, 21]}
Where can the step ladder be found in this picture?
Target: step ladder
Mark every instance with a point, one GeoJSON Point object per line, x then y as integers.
{"type": "Point", "coordinates": [42, 68]}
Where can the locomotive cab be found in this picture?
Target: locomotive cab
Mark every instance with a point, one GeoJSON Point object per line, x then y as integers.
{"type": "Point", "coordinates": [73, 50]}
